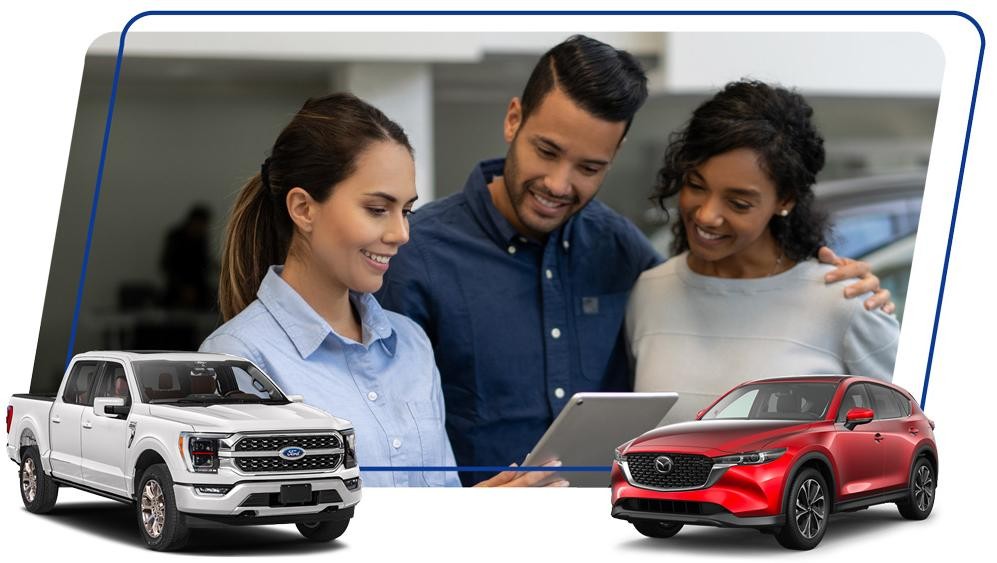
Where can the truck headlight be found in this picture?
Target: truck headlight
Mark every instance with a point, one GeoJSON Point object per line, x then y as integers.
{"type": "Point", "coordinates": [350, 449]}
{"type": "Point", "coordinates": [200, 451]}
{"type": "Point", "coordinates": [750, 458]}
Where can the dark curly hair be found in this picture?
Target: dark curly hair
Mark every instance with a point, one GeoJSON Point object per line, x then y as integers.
{"type": "Point", "coordinates": [775, 123]}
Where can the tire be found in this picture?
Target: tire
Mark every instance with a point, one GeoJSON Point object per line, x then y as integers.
{"type": "Point", "coordinates": [657, 529]}
{"type": "Point", "coordinates": [920, 491]}
{"type": "Point", "coordinates": [38, 491]}
{"type": "Point", "coordinates": [808, 506]}
{"type": "Point", "coordinates": [327, 530]}
{"type": "Point", "coordinates": [162, 526]}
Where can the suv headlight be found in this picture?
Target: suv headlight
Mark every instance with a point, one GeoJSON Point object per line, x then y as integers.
{"type": "Point", "coordinates": [349, 449]}
{"type": "Point", "coordinates": [750, 458]}
{"type": "Point", "coordinates": [200, 451]}
{"type": "Point", "coordinates": [618, 456]}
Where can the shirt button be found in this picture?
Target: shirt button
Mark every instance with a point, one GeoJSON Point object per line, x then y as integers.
{"type": "Point", "coordinates": [396, 443]}
{"type": "Point", "coordinates": [549, 274]}
{"type": "Point", "coordinates": [511, 249]}
{"type": "Point", "coordinates": [372, 396]}
{"type": "Point", "coordinates": [556, 333]}
{"type": "Point", "coordinates": [565, 244]}
{"type": "Point", "coordinates": [559, 393]}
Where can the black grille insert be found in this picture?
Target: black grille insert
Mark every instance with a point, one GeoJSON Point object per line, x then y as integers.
{"type": "Point", "coordinates": [658, 506]}
{"type": "Point", "coordinates": [273, 463]}
{"type": "Point", "coordinates": [688, 470]}
{"type": "Point", "coordinates": [275, 443]}
{"type": "Point", "coordinates": [273, 499]}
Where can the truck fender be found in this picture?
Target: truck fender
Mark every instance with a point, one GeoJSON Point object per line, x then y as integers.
{"type": "Point", "coordinates": [152, 444]}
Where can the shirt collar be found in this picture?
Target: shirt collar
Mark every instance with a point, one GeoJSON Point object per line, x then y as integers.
{"type": "Point", "coordinates": [484, 210]}
{"type": "Point", "coordinates": [307, 330]}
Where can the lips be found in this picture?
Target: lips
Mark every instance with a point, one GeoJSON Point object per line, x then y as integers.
{"type": "Point", "coordinates": [377, 261]}
{"type": "Point", "coordinates": [547, 206]}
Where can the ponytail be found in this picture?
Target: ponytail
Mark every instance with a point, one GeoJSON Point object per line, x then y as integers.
{"type": "Point", "coordinates": [254, 239]}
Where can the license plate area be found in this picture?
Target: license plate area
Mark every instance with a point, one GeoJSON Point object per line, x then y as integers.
{"type": "Point", "coordinates": [295, 494]}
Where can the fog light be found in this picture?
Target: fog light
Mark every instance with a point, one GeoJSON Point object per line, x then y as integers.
{"type": "Point", "coordinates": [352, 484]}
{"type": "Point", "coordinates": [212, 489]}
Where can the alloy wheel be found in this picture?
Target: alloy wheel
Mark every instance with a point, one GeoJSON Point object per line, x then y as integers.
{"type": "Point", "coordinates": [153, 508]}
{"type": "Point", "coordinates": [29, 480]}
{"type": "Point", "coordinates": [809, 509]}
{"type": "Point", "coordinates": [924, 488]}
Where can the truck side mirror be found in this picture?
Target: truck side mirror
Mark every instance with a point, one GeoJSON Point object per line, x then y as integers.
{"type": "Point", "coordinates": [110, 407]}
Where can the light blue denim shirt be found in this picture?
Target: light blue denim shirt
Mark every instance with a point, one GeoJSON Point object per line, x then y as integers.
{"type": "Point", "coordinates": [388, 386]}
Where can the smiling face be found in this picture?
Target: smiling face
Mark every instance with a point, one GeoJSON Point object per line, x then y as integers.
{"type": "Point", "coordinates": [556, 162]}
{"type": "Point", "coordinates": [353, 234]}
{"type": "Point", "coordinates": [726, 204]}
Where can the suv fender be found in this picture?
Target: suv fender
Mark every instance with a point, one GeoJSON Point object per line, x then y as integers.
{"type": "Point", "coordinates": [831, 475]}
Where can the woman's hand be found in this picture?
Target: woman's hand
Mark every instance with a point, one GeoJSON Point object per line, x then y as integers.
{"type": "Point", "coordinates": [849, 268]}
{"type": "Point", "coordinates": [524, 478]}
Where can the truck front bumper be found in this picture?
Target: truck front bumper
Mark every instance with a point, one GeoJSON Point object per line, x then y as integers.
{"type": "Point", "coordinates": [262, 502]}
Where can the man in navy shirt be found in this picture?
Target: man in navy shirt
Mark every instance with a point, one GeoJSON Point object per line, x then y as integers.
{"type": "Point", "coordinates": [521, 280]}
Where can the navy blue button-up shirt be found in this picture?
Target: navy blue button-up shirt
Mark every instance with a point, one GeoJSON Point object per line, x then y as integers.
{"type": "Point", "coordinates": [517, 326]}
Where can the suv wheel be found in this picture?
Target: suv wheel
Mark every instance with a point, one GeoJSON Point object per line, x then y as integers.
{"type": "Point", "coordinates": [327, 530]}
{"type": "Point", "coordinates": [657, 528]}
{"type": "Point", "coordinates": [38, 491]}
{"type": "Point", "coordinates": [163, 527]}
{"type": "Point", "coordinates": [920, 491]}
{"type": "Point", "coordinates": [808, 506]}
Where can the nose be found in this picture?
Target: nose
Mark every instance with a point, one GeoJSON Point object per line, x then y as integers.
{"type": "Point", "coordinates": [558, 181]}
{"type": "Point", "coordinates": [709, 213]}
{"type": "Point", "coordinates": [396, 233]}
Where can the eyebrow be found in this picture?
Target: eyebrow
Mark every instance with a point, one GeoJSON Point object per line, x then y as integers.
{"type": "Point", "coordinates": [558, 148]}
{"type": "Point", "coordinates": [390, 197]}
{"type": "Point", "coordinates": [745, 192]}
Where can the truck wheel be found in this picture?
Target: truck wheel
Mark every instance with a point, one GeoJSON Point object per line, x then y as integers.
{"type": "Point", "coordinates": [327, 530]}
{"type": "Point", "coordinates": [163, 527]}
{"type": "Point", "coordinates": [656, 529]}
{"type": "Point", "coordinates": [38, 491]}
{"type": "Point", "coordinates": [920, 491]}
{"type": "Point", "coordinates": [808, 506]}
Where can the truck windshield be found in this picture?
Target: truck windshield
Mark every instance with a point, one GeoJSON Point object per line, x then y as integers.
{"type": "Point", "coordinates": [199, 383]}
{"type": "Point", "coordinates": [775, 401]}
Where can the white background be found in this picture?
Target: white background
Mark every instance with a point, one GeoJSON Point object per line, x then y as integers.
{"type": "Point", "coordinates": [43, 47]}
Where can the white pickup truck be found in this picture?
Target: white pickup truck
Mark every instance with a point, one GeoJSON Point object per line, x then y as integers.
{"type": "Point", "coordinates": [187, 438]}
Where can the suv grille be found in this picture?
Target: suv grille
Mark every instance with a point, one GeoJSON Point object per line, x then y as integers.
{"type": "Point", "coordinates": [274, 463]}
{"type": "Point", "coordinates": [274, 443]}
{"type": "Point", "coordinates": [688, 470]}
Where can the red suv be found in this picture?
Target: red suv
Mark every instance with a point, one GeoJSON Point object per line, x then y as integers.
{"type": "Point", "coordinates": [781, 455]}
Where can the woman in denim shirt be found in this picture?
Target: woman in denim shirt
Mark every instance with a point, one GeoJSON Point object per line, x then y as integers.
{"type": "Point", "coordinates": [308, 241]}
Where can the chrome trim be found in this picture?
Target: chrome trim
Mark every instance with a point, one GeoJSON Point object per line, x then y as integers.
{"type": "Point", "coordinates": [275, 453]}
{"type": "Point", "coordinates": [227, 454]}
{"type": "Point", "coordinates": [716, 472]}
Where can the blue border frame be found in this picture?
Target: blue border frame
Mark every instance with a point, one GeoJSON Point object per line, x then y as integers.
{"type": "Point", "coordinates": [955, 208]}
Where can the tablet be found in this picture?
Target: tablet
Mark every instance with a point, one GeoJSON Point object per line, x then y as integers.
{"type": "Point", "coordinates": [591, 426]}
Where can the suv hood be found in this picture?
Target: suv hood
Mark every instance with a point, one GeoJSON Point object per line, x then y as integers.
{"type": "Point", "coordinates": [721, 436]}
{"type": "Point", "coordinates": [230, 418]}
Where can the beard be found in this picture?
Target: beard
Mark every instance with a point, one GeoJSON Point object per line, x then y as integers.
{"type": "Point", "coordinates": [519, 190]}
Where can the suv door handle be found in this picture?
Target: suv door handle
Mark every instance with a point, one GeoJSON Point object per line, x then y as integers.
{"type": "Point", "coordinates": [88, 425]}
{"type": "Point", "coordinates": [878, 437]}
{"type": "Point", "coordinates": [913, 430]}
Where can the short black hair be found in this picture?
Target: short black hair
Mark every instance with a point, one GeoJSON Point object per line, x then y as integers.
{"type": "Point", "coordinates": [604, 81]}
{"type": "Point", "coordinates": [775, 123]}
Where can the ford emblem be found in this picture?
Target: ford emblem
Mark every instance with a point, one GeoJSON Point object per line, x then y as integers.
{"type": "Point", "coordinates": [291, 452]}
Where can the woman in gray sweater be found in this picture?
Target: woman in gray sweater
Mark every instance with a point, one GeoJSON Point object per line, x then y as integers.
{"type": "Point", "coordinates": [744, 296]}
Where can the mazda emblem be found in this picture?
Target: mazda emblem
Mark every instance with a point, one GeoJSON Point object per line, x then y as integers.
{"type": "Point", "coordinates": [664, 464]}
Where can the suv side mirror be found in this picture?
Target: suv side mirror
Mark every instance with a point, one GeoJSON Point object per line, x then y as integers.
{"type": "Point", "coordinates": [110, 407]}
{"type": "Point", "coordinates": [857, 416]}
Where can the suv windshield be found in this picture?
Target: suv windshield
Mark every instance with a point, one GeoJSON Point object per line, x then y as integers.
{"type": "Point", "coordinates": [775, 401]}
{"type": "Point", "coordinates": [200, 383]}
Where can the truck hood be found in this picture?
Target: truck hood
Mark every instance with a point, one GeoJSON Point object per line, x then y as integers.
{"type": "Point", "coordinates": [230, 418]}
{"type": "Point", "coordinates": [719, 436]}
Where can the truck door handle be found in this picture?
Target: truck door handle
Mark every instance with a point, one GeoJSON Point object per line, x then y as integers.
{"type": "Point", "coordinates": [88, 425]}
{"type": "Point", "coordinates": [878, 437]}
{"type": "Point", "coordinates": [56, 420]}
{"type": "Point", "coordinates": [913, 430]}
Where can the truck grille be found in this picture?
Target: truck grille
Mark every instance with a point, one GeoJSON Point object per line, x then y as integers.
{"type": "Point", "coordinates": [688, 471]}
{"type": "Point", "coordinates": [273, 463]}
{"type": "Point", "coordinates": [275, 443]}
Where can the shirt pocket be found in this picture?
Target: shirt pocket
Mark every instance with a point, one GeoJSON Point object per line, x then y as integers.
{"type": "Point", "coordinates": [600, 339]}
{"type": "Point", "coordinates": [432, 439]}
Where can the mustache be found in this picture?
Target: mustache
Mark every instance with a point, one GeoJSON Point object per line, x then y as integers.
{"type": "Point", "coordinates": [535, 187]}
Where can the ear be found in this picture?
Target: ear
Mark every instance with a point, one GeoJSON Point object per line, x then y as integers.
{"type": "Point", "coordinates": [513, 120]}
{"type": "Point", "coordinates": [301, 207]}
{"type": "Point", "coordinates": [788, 204]}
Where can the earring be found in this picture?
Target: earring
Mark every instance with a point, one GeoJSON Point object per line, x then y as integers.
{"type": "Point", "coordinates": [784, 213]}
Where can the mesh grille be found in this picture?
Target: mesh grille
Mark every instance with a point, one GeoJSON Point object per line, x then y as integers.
{"type": "Point", "coordinates": [274, 463]}
{"type": "Point", "coordinates": [688, 470]}
{"type": "Point", "coordinates": [274, 443]}
{"type": "Point", "coordinates": [661, 506]}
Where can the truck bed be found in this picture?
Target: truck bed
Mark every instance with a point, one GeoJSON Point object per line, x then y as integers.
{"type": "Point", "coordinates": [49, 397]}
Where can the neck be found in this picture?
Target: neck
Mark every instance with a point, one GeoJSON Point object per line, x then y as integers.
{"type": "Point", "coordinates": [500, 199]}
{"type": "Point", "coordinates": [329, 298]}
{"type": "Point", "coordinates": [762, 259]}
